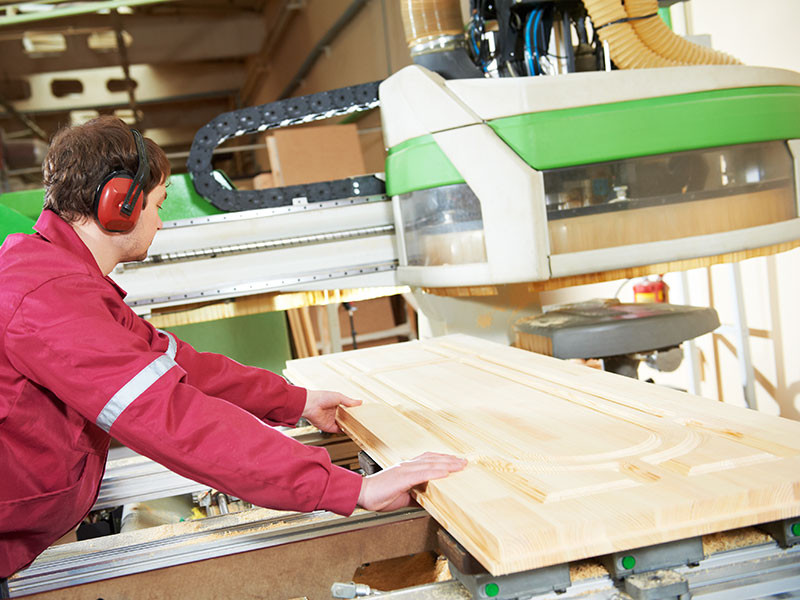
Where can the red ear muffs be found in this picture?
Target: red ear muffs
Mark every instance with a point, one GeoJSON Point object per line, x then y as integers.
{"type": "Point", "coordinates": [108, 201]}
{"type": "Point", "coordinates": [116, 200]}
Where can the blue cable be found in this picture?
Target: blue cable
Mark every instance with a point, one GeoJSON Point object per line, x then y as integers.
{"type": "Point", "coordinates": [528, 53]}
{"type": "Point", "coordinates": [475, 48]}
{"type": "Point", "coordinates": [535, 46]}
{"type": "Point", "coordinates": [474, 43]}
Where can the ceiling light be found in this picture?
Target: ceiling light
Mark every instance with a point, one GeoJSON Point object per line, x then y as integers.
{"type": "Point", "coordinates": [37, 44]}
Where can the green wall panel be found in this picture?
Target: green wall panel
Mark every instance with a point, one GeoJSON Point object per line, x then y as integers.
{"type": "Point", "coordinates": [257, 340]}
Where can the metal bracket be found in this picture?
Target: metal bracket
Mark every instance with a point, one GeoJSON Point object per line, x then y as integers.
{"type": "Point", "coordinates": [516, 585]}
{"type": "Point", "coordinates": [350, 590]}
{"type": "Point", "coordinates": [688, 551]}
{"type": "Point", "coordinates": [369, 466]}
{"type": "Point", "coordinates": [658, 585]}
{"type": "Point", "coordinates": [785, 532]}
{"type": "Point", "coordinates": [482, 585]}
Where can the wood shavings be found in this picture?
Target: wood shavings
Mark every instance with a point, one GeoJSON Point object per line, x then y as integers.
{"type": "Point", "coordinates": [161, 532]}
{"type": "Point", "coordinates": [586, 569]}
{"type": "Point", "coordinates": [733, 539]}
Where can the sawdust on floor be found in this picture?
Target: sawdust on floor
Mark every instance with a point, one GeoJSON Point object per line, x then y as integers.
{"type": "Point", "coordinates": [161, 532]}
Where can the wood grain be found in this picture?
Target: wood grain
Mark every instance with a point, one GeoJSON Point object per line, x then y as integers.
{"type": "Point", "coordinates": [565, 462]}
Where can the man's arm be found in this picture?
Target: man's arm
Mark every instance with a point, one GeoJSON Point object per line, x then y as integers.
{"type": "Point", "coordinates": [260, 392]}
{"type": "Point", "coordinates": [114, 378]}
{"type": "Point", "coordinates": [101, 368]}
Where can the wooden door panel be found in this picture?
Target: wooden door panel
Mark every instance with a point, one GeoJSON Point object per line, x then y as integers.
{"type": "Point", "coordinates": [565, 462]}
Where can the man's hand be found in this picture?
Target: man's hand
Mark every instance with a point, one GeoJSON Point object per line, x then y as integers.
{"type": "Point", "coordinates": [389, 489]}
{"type": "Point", "coordinates": [321, 406]}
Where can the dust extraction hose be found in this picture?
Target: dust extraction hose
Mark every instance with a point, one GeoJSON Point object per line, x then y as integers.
{"type": "Point", "coordinates": [435, 36]}
{"type": "Point", "coordinates": [638, 38]}
{"type": "Point", "coordinates": [427, 20]}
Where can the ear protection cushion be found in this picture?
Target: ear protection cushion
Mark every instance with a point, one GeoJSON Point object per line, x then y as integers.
{"type": "Point", "coordinates": [117, 202]}
{"type": "Point", "coordinates": [108, 200]}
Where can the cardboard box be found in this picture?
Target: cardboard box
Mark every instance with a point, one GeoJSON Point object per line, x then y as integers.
{"type": "Point", "coordinates": [312, 154]}
{"type": "Point", "coordinates": [263, 181]}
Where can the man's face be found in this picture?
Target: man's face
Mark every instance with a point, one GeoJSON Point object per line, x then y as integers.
{"type": "Point", "coordinates": [141, 236]}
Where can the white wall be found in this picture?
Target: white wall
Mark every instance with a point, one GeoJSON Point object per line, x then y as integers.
{"type": "Point", "coordinates": [765, 34]}
{"type": "Point", "coordinates": [757, 33]}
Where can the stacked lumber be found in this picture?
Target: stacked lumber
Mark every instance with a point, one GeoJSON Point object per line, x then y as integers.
{"type": "Point", "coordinates": [565, 462]}
{"type": "Point", "coordinates": [303, 338]}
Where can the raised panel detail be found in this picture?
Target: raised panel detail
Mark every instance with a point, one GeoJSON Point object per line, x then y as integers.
{"type": "Point", "coordinates": [565, 462]}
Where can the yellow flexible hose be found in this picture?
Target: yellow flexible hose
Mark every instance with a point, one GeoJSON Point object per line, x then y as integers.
{"type": "Point", "coordinates": [634, 44]}
{"type": "Point", "coordinates": [655, 34]}
{"type": "Point", "coordinates": [645, 43]}
{"type": "Point", "coordinates": [627, 49]}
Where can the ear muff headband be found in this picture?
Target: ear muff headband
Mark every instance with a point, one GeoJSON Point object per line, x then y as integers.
{"type": "Point", "coordinates": [142, 175]}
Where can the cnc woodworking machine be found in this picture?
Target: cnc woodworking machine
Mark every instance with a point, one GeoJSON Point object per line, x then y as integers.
{"type": "Point", "coordinates": [496, 188]}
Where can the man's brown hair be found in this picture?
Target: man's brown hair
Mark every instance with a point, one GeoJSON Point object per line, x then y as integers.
{"type": "Point", "coordinates": [80, 157]}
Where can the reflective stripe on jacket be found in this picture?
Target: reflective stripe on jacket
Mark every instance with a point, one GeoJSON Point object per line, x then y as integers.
{"type": "Point", "coordinates": [77, 364]}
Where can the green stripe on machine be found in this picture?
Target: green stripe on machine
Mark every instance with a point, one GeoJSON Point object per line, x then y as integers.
{"type": "Point", "coordinates": [418, 164]}
{"type": "Point", "coordinates": [19, 210]}
{"type": "Point", "coordinates": [183, 201]}
{"type": "Point", "coordinates": [28, 203]}
{"type": "Point", "coordinates": [606, 132]}
{"type": "Point", "coordinates": [13, 222]}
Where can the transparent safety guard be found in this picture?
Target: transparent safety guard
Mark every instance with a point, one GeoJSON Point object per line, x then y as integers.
{"type": "Point", "coordinates": [669, 196]}
{"type": "Point", "coordinates": [442, 226]}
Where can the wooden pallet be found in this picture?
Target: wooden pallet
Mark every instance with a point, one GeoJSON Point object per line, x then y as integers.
{"type": "Point", "coordinates": [565, 462]}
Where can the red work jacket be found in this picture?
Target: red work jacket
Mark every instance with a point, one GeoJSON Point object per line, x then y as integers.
{"type": "Point", "coordinates": [77, 366]}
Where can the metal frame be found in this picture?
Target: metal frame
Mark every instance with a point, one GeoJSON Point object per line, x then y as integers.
{"type": "Point", "coordinates": [136, 479]}
{"type": "Point", "coordinates": [46, 575]}
{"type": "Point", "coordinates": [754, 572]}
{"type": "Point", "coordinates": [222, 256]}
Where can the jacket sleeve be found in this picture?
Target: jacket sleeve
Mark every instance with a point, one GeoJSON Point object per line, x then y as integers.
{"type": "Point", "coordinates": [258, 391]}
{"type": "Point", "coordinates": [95, 363]}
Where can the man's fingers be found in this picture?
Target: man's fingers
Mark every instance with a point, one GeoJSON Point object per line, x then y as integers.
{"type": "Point", "coordinates": [347, 401]}
{"type": "Point", "coordinates": [417, 476]}
{"type": "Point", "coordinates": [427, 456]}
{"type": "Point", "coordinates": [435, 459]}
{"type": "Point", "coordinates": [389, 489]}
{"type": "Point", "coordinates": [402, 501]}
{"type": "Point", "coordinates": [334, 399]}
{"type": "Point", "coordinates": [429, 466]}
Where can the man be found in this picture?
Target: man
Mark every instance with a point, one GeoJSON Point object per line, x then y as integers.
{"type": "Point", "coordinates": [78, 366]}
